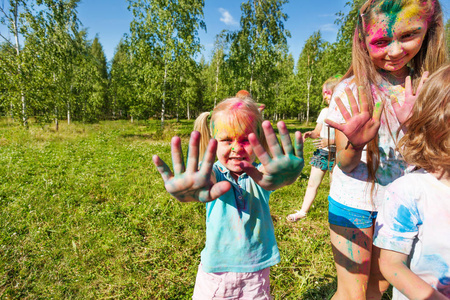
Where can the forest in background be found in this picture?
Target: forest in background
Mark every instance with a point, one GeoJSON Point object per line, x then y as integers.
{"type": "Point", "coordinates": [51, 71]}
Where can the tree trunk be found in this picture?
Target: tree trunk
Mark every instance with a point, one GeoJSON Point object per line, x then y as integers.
{"type": "Point", "coordinates": [16, 37]}
{"type": "Point", "coordinates": [307, 105]}
{"type": "Point", "coordinates": [188, 112]}
{"type": "Point", "coordinates": [217, 83]}
{"type": "Point", "coordinates": [163, 108]}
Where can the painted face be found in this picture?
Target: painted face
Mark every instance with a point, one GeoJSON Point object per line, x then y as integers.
{"type": "Point", "coordinates": [393, 39]}
{"type": "Point", "coordinates": [232, 147]}
{"type": "Point", "coordinates": [326, 94]}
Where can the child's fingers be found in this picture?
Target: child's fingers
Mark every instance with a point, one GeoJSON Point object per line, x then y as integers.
{"type": "Point", "coordinates": [395, 105]}
{"type": "Point", "coordinates": [298, 144]}
{"type": "Point", "coordinates": [162, 168]}
{"type": "Point", "coordinates": [334, 124]}
{"type": "Point", "coordinates": [352, 101]}
{"type": "Point", "coordinates": [422, 81]}
{"type": "Point", "coordinates": [219, 189]}
{"type": "Point", "coordinates": [192, 163]}
{"type": "Point", "coordinates": [342, 109]}
{"type": "Point", "coordinates": [272, 140]}
{"type": "Point", "coordinates": [408, 87]}
{"type": "Point", "coordinates": [379, 106]}
{"type": "Point", "coordinates": [209, 157]}
{"type": "Point", "coordinates": [258, 149]}
{"type": "Point", "coordinates": [177, 156]}
{"type": "Point", "coordinates": [285, 138]}
{"type": "Point", "coordinates": [363, 100]}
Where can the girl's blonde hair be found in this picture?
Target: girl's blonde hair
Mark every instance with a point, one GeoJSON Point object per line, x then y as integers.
{"type": "Point", "coordinates": [239, 114]}
{"type": "Point", "coordinates": [332, 82]}
{"type": "Point", "coordinates": [430, 57]}
{"type": "Point", "coordinates": [426, 144]}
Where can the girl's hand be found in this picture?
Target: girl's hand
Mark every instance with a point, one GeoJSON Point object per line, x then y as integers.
{"type": "Point", "coordinates": [320, 143]}
{"type": "Point", "coordinates": [307, 135]}
{"type": "Point", "coordinates": [191, 183]}
{"type": "Point", "coordinates": [282, 168]}
{"type": "Point", "coordinates": [404, 112]}
{"type": "Point", "coordinates": [360, 127]}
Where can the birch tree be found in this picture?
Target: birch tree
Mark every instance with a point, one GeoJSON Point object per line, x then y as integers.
{"type": "Point", "coordinates": [165, 30]}
{"type": "Point", "coordinates": [12, 63]}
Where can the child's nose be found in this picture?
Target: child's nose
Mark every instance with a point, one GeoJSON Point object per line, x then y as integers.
{"type": "Point", "coordinates": [236, 146]}
{"type": "Point", "coordinates": [395, 49]}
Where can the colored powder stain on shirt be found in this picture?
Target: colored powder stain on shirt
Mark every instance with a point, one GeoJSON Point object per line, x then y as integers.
{"type": "Point", "coordinates": [405, 218]}
{"type": "Point", "coordinates": [438, 265]}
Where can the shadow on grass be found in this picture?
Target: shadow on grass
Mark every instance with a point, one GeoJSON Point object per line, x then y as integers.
{"type": "Point", "coordinates": [322, 292]}
{"type": "Point", "coordinates": [327, 290]}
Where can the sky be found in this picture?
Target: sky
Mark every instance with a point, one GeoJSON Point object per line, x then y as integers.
{"type": "Point", "coordinates": [110, 20]}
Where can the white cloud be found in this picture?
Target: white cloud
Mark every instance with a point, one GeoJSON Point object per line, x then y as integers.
{"type": "Point", "coordinates": [329, 27]}
{"type": "Point", "coordinates": [227, 18]}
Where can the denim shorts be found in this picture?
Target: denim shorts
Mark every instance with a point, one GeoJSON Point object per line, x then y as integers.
{"type": "Point", "coordinates": [342, 215]}
{"type": "Point", "coordinates": [323, 159]}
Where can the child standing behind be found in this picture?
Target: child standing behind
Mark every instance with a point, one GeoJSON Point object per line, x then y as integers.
{"type": "Point", "coordinates": [240, 240]}
{"type": "Point", "coordinates": [413, 225]}
{"type": "Point", "coordinates": [323, 158]}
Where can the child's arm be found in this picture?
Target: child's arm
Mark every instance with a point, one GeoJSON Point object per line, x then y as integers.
{"type": "Point", "coordinates": [191, 183]}
{"type": "Point", "coordinates": [315, 134]}
{"type": "Point", "coordinates": [284, 167]}
{"type": "Point", "coordinates": [394, 269]}
{"type": "Point", "coordinates": [360, 128]}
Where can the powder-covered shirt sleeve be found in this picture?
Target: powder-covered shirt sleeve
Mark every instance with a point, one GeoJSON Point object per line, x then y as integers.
{"type": "Point", "coordinates": [398, 220]}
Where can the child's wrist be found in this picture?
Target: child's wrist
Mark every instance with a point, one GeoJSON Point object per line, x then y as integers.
{"type": "Point", "coordinates": [354, 147]}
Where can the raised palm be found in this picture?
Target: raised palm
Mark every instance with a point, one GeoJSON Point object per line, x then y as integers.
{"type": "Point", "coordinates": [404, 111]}
{"type": "Point", "coordinates": [191, 183]}
{"type": "Point", "coordinates": [360, 127]}
{"type": "Point", "coordinates": [284, 167]}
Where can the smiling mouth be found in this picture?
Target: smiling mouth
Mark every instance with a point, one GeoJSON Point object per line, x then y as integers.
{"type": "Point", "coordinates": [395, 62]}
{"type": "Point", "coordinates": [237, 158]}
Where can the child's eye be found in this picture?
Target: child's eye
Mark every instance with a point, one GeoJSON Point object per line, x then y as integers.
{"type": "Point", "coordinates": [380, 43]}
{"type": "Point", "coordinates": [408, 36]}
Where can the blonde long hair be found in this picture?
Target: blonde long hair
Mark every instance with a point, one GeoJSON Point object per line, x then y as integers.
{"type": "Point", "coordinates": [240, 114]}
{"type": "Point", "coordinates": [427, 142]}
{"type": "Point", "coordinates": [430, 57]}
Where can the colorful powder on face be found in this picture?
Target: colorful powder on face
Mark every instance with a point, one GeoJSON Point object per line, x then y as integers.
{"type": "Point", "coordinates": [391, 9]}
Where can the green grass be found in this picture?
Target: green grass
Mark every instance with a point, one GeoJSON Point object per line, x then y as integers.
{"type": "Point", "coordinates": [84, 215]}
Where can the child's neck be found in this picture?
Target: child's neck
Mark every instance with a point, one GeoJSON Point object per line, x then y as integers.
{"type": "Point", "coordinates": [396, 77]}
{"type": "Point", "coordinates": [442, 175]}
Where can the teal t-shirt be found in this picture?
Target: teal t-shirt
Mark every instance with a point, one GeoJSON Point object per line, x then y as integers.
{"type": "Point", "coordinates": [240, 236]}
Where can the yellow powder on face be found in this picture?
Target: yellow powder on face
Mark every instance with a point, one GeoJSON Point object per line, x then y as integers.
{"type": "Point", "coordinates": [409, 12]}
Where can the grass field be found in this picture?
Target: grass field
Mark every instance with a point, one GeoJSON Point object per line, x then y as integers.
{"type": "Point", "coordinates": [84, 215]}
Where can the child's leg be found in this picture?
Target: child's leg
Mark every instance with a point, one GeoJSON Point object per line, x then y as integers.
{"type": "Point", "coordinates": [315, 178]}
{"type": "Point", "coordinates": [351, 233]}
{"type": "Point", "coordinates": [352, 250]}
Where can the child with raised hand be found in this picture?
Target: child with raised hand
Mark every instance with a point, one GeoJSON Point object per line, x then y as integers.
{"type": "Point", "coordinates": [240, 240]}
{"type": "Point", "coordinates": [395, 43]}
{"type": "Point", "coordinates": [413, 225]}
{"type": "Point", "coordinates": [323, 157]}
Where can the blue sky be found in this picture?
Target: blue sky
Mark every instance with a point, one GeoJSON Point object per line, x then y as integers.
{"type": "Point", "coordinates": [110, 20]}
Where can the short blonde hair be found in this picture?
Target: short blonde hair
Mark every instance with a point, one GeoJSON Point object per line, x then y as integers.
{"type": "Point", "coordinates": [239, 114]}
{"type": "Point", "coordinates": [332, 82]}
{"type": "Point", "coordinates": [426, 144]}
